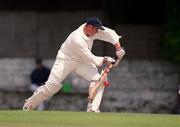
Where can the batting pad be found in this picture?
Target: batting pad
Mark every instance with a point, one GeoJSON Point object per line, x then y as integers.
{"type": "Point", "coordinates": [38, 97]}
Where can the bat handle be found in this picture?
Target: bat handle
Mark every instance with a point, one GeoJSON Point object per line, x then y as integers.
{"type": "Point", "coordinates": [116, 58]}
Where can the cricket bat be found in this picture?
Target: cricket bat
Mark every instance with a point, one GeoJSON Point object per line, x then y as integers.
{"type": "Point", "coordinates": [97, 99]}
{"type": "Point", "coordinates": [103, 76]}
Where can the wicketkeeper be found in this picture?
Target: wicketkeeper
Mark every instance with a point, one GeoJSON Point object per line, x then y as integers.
{"type": "Point", "coordinates": [75, 56]}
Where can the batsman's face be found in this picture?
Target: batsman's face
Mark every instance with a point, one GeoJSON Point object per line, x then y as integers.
{"type": "Point", "coordinates": [92, 30]}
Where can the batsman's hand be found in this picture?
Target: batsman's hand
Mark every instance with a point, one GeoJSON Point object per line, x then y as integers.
{"type": "Point", "coordinates": [120, 53]}
{"type": "Point", "coordinates": [108, 60]}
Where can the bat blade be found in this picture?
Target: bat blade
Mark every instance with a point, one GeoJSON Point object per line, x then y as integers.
{"type": "Point", "coordinates": [103, 77]}
{"type": "Point", "coordinates": [97, 99]}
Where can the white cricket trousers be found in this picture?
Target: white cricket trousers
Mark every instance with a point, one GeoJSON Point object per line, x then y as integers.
{"type": "Point", "coordinates": [64, 65]}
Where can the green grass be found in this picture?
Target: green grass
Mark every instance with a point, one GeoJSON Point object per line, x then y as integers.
{"type": "Point", "coordinates": [83, 119]}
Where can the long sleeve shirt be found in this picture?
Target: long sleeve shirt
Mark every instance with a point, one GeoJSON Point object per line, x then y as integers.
{"type": "Point", "coordinates": [78, 46]}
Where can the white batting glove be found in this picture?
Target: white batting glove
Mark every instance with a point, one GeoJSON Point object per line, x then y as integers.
{"type": "Point", "coordinates": [116, 63]}
{"type": "Point", "coordinates": [108, 60]}
{"type": "Point", "coordinates": [120, 53]}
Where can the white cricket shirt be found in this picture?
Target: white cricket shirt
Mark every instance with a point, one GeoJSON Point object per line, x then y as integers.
{"type": "Point", "coordinates": [78, 46]}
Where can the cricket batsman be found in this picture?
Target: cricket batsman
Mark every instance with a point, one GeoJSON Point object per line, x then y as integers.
{"type": "Point", "coordinates": [75, 56]}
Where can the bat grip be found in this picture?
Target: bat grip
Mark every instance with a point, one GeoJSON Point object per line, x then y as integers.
{"type": "Point", "coordinates": [116, 58]}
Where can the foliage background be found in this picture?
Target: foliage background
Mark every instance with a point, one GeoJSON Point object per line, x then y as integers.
{"type": "Point", "coordinates": [170, 45]}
